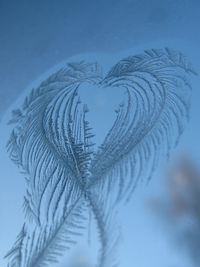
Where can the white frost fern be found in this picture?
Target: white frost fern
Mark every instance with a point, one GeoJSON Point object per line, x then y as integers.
{"type": "Point", "coordinates": [52, 143]}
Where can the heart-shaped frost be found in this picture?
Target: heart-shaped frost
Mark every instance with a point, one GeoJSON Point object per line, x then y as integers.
{"type": "Point", "coordinates": [139, 108]}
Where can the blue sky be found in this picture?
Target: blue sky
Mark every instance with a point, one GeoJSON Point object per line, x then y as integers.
{"type": "Point", "coordinates": [36, 36]}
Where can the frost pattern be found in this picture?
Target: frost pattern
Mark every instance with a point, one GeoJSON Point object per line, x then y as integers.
{"type": "Point", "coordinates": [52, 143]}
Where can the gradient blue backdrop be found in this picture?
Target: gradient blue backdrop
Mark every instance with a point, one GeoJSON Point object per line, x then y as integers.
{"type": "Point", "coordinates": [37, 35]}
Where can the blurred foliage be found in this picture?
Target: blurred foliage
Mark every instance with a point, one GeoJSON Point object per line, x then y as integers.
{"type": "Point", "coordinates": [179, 207]}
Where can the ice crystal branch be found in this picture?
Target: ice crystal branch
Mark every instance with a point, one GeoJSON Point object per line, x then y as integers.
{"type": "Point", "coordinates": [52, 143]}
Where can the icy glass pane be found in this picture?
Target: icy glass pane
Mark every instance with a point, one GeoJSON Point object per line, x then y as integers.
{"type": "Point", "coordinates": [99, 151]}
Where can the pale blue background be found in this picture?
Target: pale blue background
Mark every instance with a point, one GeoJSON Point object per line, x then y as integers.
{"type": "Point", "coordinates": [37, 35]}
